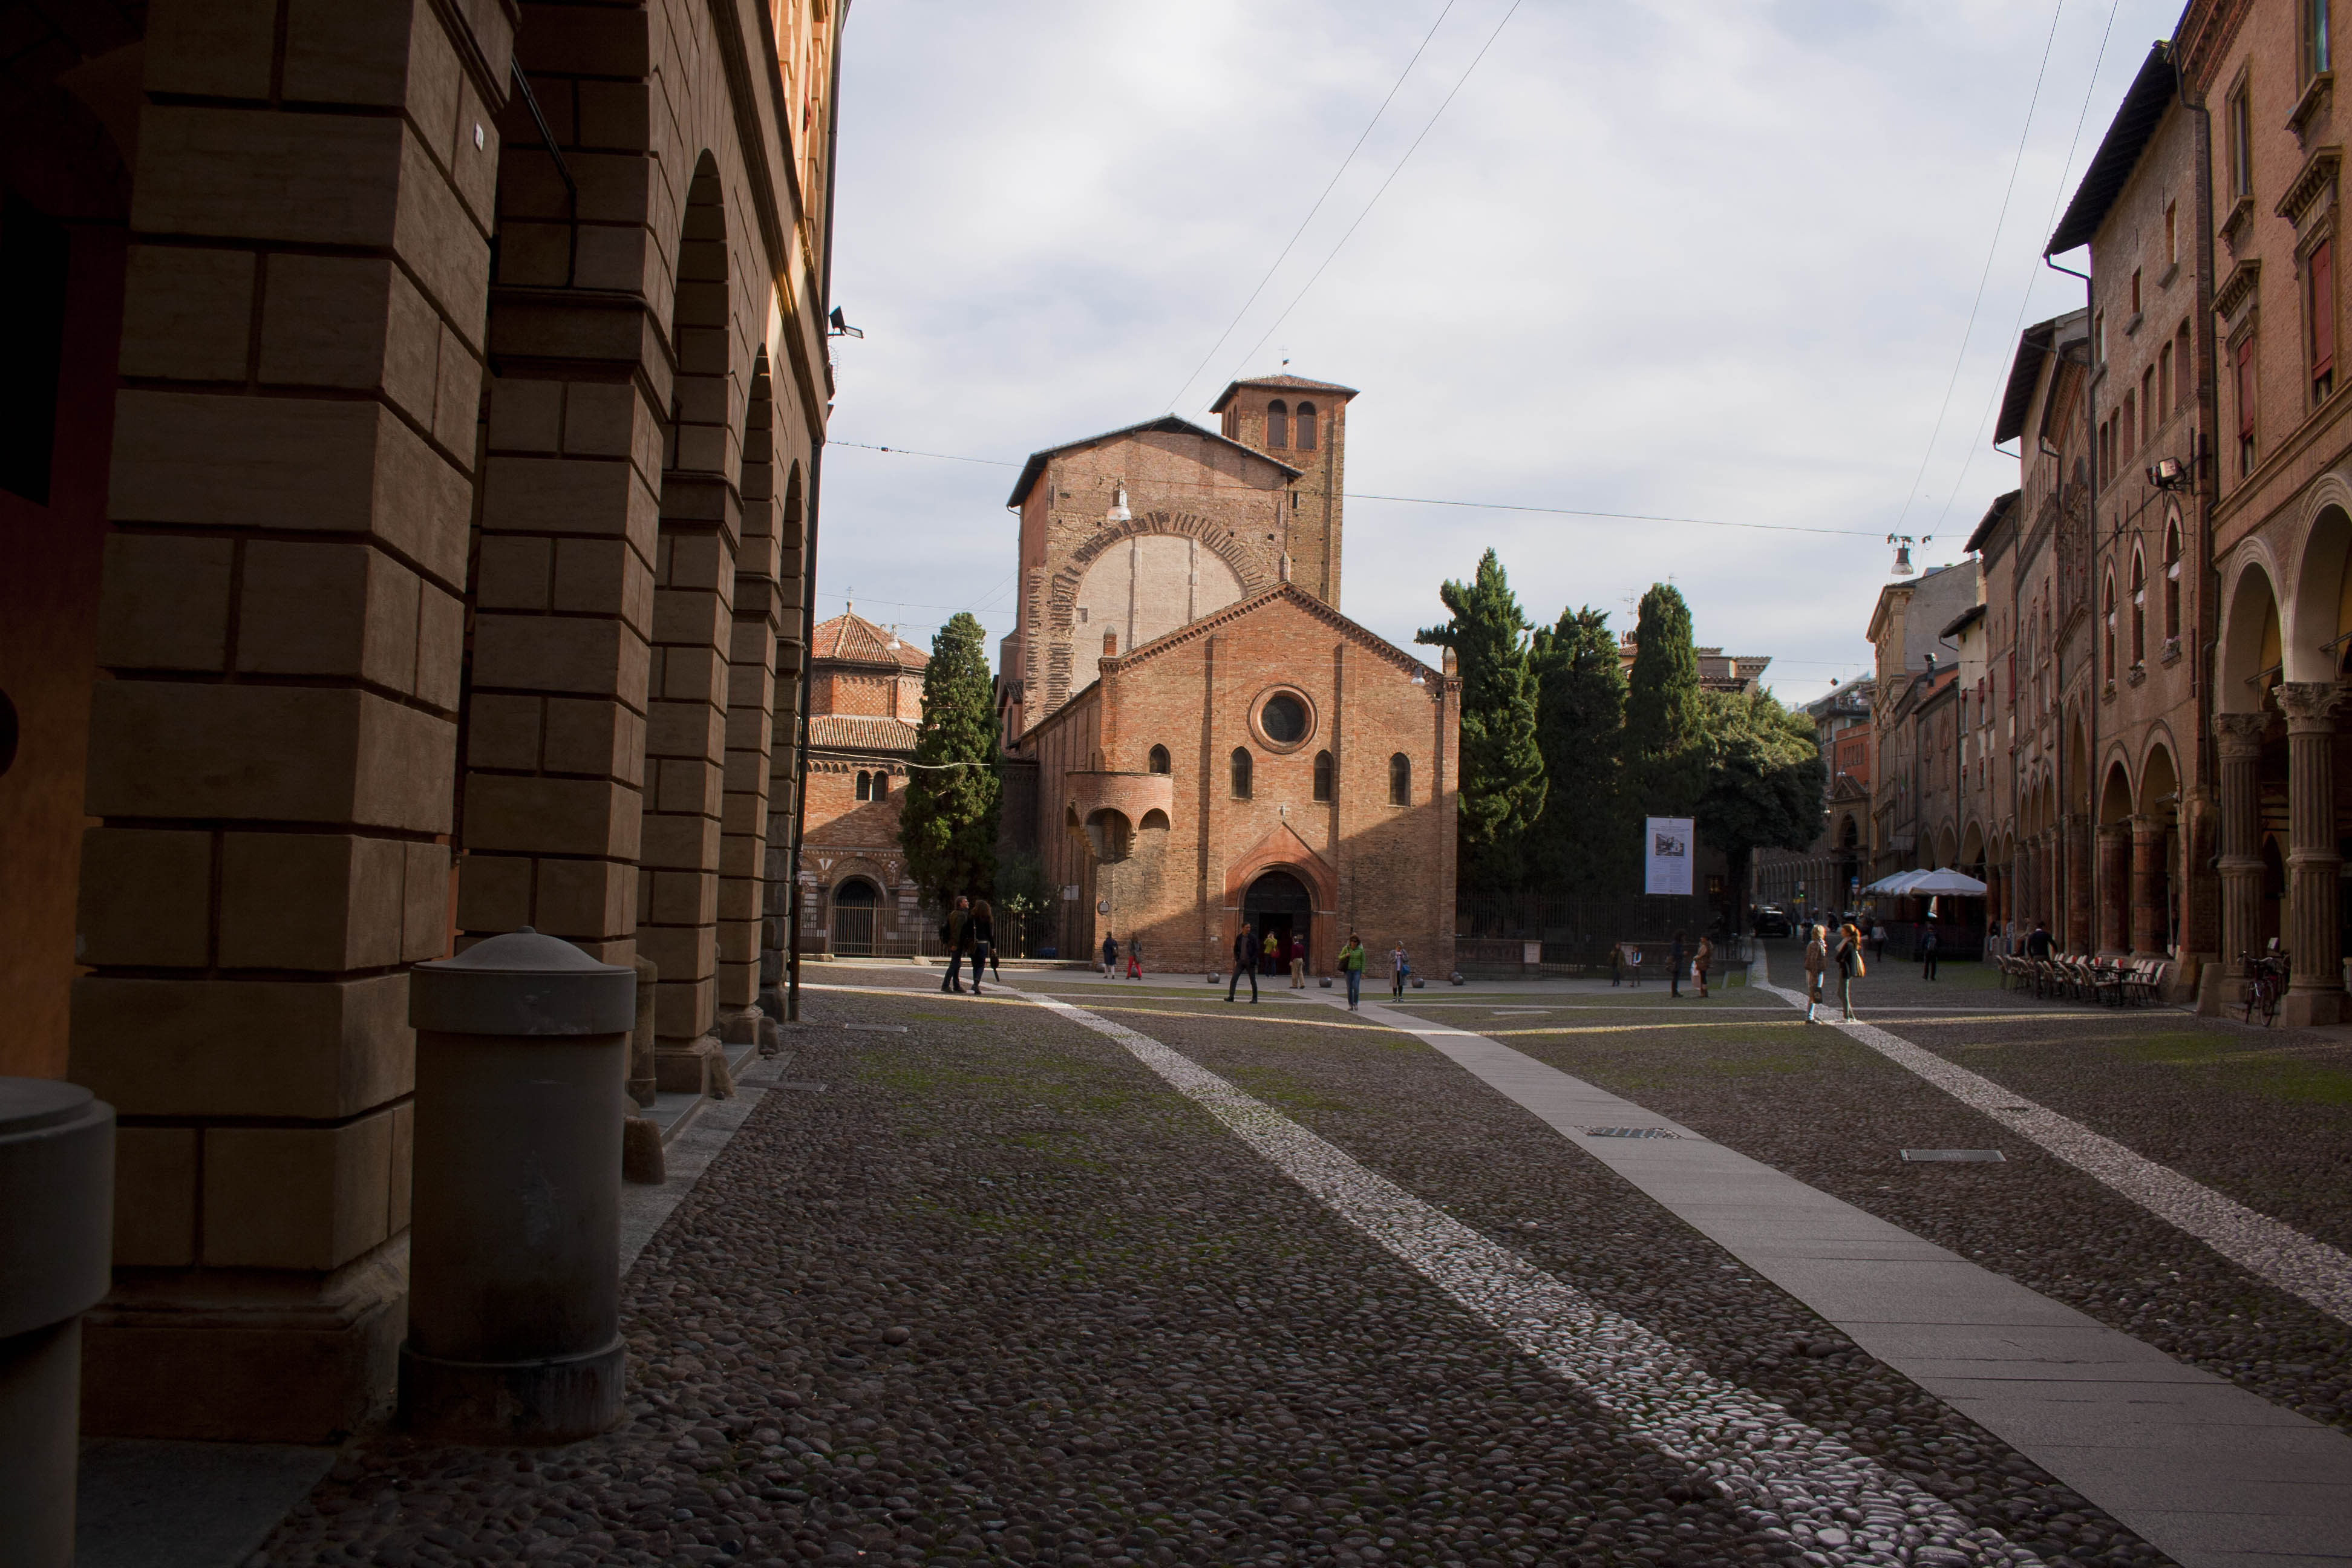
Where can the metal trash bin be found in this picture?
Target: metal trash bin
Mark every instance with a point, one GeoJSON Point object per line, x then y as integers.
{"type": "Point", "coordinates": [515, 1290]}
{"type": "Point", "coordinates": [57, 1254]}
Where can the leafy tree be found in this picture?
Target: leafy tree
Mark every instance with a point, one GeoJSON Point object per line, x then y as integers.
{"type": "Point", "coordinates": [1582, 842]}
{"type": "Point", "coordinates": [1664, 764]}
{"type": "Point", "coordinates": [947, 826]}
{"type": "Point", "coordinates": [1763, 781]}
{"type": "Point", "coordinates": [1502, 767]}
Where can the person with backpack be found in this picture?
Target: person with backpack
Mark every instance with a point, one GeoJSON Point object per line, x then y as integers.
{"type": "Point", "coordinates": [1110, 956]}
{"type": "Point", "coordinates": [1244, 961]}
{"type": "Point", "coordinates": [983, 942]}
{"type": "Point", "coordinates": [1351, 965]}
{"type": "Point", "coordinates": [955, 936]}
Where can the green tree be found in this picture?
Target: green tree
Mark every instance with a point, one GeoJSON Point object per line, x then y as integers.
{"type": "Point", "coordinates": [947, 826]}
{"type": "Point", "coordinates": [1582, 842]}
{"type": "Point", "coordinates": [1664, 767]}
{"type": "Point", "coordinates": [1502, 767]}
{"type": "Point", "coordinates": [1763, 782]}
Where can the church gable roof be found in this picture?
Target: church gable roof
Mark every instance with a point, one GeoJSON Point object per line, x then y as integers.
{"type": "Point", "coordinates": [1167, 423]}
{"type": "Point", "coordinates": [860, 733]}
{"type": "Point", "coordinates": [1293, 382]}
{"type": "Point", "coordinates": [1281, 592]}
{"type": "Point", "coordinates": [853, 639]}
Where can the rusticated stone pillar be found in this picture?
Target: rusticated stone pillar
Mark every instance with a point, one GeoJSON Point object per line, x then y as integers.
{"type": "Point", "coordinates": [2239, 738]}
{"type": "Point", "coordinates": [2077, 875]}
{"type": "Point", "coordinates": [2315, 993]}
{"type": "Point", "coordinates": [2150, 885]}
{"type": "Point", "coordinates": [2115, 877]}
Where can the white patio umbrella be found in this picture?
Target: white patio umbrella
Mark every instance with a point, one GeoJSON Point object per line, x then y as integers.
{"type": "Point", "coordinates": [1898, 884]}
{"type": "Point", "coordinates": [1945, 883]}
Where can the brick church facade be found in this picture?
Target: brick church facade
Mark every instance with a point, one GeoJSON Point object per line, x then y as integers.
{"type": "Point", "coordinates": [866, 699]}
{"type": "Point", "coordinates": [1207, 739]}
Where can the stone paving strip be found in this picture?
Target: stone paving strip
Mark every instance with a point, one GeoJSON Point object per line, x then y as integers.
{"type": "Point", "coordinates": [1785, 1474]}
{"type": "Point", "coordinates": [2320, 1274]}
{"type": "Point", "coordinates": [2204, 1470]}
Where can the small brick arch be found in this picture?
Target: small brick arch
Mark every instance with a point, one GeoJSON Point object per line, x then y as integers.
{"type": "Point", "coordinates": [1061, 598]}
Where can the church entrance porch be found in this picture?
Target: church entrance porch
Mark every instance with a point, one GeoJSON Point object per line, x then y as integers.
{"type": "Point", "coordinates": [1279, 904]}
{"type": "Point", "coordinates": [854, 903]}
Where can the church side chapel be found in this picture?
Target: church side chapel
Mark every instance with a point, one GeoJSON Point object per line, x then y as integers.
{"type": "Point", "coordinates": [1214, 742]}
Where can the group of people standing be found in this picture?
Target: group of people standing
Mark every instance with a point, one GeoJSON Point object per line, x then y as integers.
{"type": "Point", "coordinates": [1254, 950]}
{"type": "Point", "coordinates": [1822, 957]}
{"type": "Point", "coordinates": [970, 931]}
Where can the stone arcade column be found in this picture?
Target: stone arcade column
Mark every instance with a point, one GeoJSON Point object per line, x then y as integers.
{"type": "Point", "coordinates": [2115, 885]}
{"type": "Point", "coordinates": [2150, 887]}
{"type": "Point", "coordinates": [272, 744]}
{"type": "Point", "coordinates": [2239, 740]}
{"type": "Point", "coordinates": [2076, 848]}
{"type": "Point", "coordinates": [2315, 993]}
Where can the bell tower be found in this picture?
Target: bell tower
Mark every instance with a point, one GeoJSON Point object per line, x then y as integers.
{"type": "Point", "coordinates": [1302, 424]}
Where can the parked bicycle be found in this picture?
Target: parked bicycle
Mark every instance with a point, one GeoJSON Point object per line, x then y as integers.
{"type": "Point", "coordinates": [2265, 980]}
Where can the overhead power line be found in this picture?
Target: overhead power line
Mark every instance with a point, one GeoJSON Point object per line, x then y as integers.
{"type": "Point", "coordinates": [1440, 501]}
{"type": "Point", "coordinates": [1991, 250]}
{"type": "Point", "coordinates": [1301, 229]}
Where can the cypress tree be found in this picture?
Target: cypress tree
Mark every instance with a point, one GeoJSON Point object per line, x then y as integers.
{"type": "Point", "coordinates": [1665, 762]}
{"type": "Point", "coordinates": [1502, 767]}
{"type": "Point", "coordinates": [1579, 844]}
{"type": "Point", "coordinates": [947, 826]}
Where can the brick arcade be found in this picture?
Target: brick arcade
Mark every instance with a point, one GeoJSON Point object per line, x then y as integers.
{"type": "Point", "coordinates": [1209, 739]}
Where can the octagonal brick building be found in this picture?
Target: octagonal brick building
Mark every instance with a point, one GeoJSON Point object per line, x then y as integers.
{"type": "Point", "coordinates": [1195, 734]}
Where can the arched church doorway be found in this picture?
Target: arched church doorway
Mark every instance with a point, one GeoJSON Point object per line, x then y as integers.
{"type": "Point", "coordinates": [1278, 903]}
{"type": "Point", "coordinates": [854, 905]}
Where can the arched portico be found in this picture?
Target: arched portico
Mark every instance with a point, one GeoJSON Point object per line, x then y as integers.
{"type": "Point", "coordinates": [2154, 829]}
{"type": "Point", "coordinates": [2114, 858]}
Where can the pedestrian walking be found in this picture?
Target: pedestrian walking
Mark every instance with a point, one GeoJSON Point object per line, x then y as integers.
{"type": "Point", "coordinates": [1616, 962]}
{"type": "Point", "coordinates": [1244, 961]}
{"type": "Point", "coordinates": [983, 942]}
{"type": "Point", "coordinates": [955, 937]}
{"type": "Point", "coordinates": [1849, 968]}
{"type": "Point", "coordinates": [1351, 965]}
{"type": "Point", "coordinates": [1701, 961]}
{"type": "Point", "coordinates": [1817, 958]}
{"type": "Point", "coordinates": [1928, 943]}
{"type": "Point", "coordinates": [1135, 958]}
{"type": "Point", "coordinates": [2038, 943]}
{"type": "Point", "coordinates": [1272, 951]}
{"type": "Point", "coordinates": [1674, 967]}
{"type": "Point", "coordinates": [1633, 967]}
{"type": "Point", "coordinates": [1400, 966]}
{"type": "Point", "coordinates": [1297, 961]}
{"type": "Point", "coordinates": [1877, 939]}
{"type": "Point", "coordinates": [1110, 956]}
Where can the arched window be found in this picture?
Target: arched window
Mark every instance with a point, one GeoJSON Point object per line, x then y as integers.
{"type": "Point", "coordinates": [881, 786]}
{"type": "Point", "coordinates": [1278, 424]}
{"type": "Point", "coordinates": [1400, 780]}
{"type": "Point", "coordinates": [1241, 772]}
{"type": "Point", "coordinates": [865, 784]}
{"type": "Point", "coordinates": [1306, 426]}
{"type": "Point", "coordinates": [2139, 609]}
{"type": "Point", "coordinates": [1322, 775]}
{"type": "Point", "coordinates": [2172, 581]}
{"type": "Point", "coordinates": [1158, 762]}
{"type": "Point", "coordinates": [2107, 632]}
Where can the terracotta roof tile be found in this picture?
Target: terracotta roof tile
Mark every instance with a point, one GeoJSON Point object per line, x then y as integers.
{"type": "Point", "coordinates": [850, 732]}
{"type": "Point", "coordinates": [857, 640]}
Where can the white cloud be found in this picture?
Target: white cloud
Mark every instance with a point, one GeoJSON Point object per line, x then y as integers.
{"type": "Point", "coordinates": [1697, 258]}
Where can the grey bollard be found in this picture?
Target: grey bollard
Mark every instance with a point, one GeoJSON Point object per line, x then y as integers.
{"type": "Point", "coordinates": [515, 1275]}
{"type": "Point", "coordinates": [57, 1250]}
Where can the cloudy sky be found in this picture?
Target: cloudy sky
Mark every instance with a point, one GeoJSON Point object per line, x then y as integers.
{"type": "Point", "coordinates": [1685, 258]}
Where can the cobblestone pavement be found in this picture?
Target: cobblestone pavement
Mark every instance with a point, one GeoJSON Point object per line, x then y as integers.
{"type": "Point", "coordinates": [996, 1293]}
{"type": "Point", "coordinates": [2264, 1116]}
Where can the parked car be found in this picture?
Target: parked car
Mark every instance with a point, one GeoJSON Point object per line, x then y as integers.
{"type": "Point", "coordinates": [1774, 920]}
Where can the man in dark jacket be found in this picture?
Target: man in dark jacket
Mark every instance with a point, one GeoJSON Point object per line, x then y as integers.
{"type": "Point", "coordinates": [955, 936]}
{"type": "Point", "coordinates": [2039, 944]}
{"type": "Point", "coordinates": [1674, 967]}
{"type": "Point", "coordinates": [1245, 956]}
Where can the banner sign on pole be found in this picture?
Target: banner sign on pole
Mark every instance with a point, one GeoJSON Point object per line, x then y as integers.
{"type": "Point", "coordinates": [1666, 855]}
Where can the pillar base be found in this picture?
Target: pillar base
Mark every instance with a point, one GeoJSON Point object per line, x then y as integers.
{"type": "Point", "coordinates": [246, 1355]}
{"type": "Point", "coordinates": [2311, 1009]}
{"type": "Point", "coordinates": [40, 1371]}
{"type": "Point", "coordinates": [642, 1159]}
{"type": "Point", "coordinates": [561, 1400]}
{"type": "Point", "coordinates": [685, 1069]}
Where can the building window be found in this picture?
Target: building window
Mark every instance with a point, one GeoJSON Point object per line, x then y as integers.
{"type": "Point", "coordinates": [1278, 424]}
{"type": "Point", "coordinates": [1306, 426]}
{"type": "Point", "coordinates": [2314, 37]}
{"type": "Point", "coordinates": [1241, 772]}
{"type": "Point", "coordinates": [2172, 581]}
{"type": "Point", "coordinates": [2245, 386]}
{"type": "Point", "coordinates": [2163, 378]}
{"type": "Point", "coordinates": [2107, 638]}
{"type": "Point", "coordinates": [2319, 308]}
{"type": "Point", "coordinates": [2099, 336]}
{"type": "Point", "coordinates": [2183, 382]}
{"type": "Point", "coordinates": [1283, 720]}
{"type": "Point", "coordinates": [1322, 775]}
{"type": "Point", "coordinates": [2138, 608]}
{"type": "Point", "coordinates": [1158, 761]}
{"type": "Point", "coordinates": [865, 784]}
{"type": "Point", "coordinates": [2240, 122]}
{"type": "Point", "coordinates": [2172, 234]}
{"type": "Point", "coordinates": [2147, 404]}
{"type": "Point", "coordinates": [881, 786]}
{"type": "Point", "coordinates": [1400, 780]}
{"type": "Point", "coordinates": [2135, 293]}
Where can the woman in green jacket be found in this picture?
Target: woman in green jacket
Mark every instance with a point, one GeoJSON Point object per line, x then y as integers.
{"type": "Point", "coordinates": [1351, 965]}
